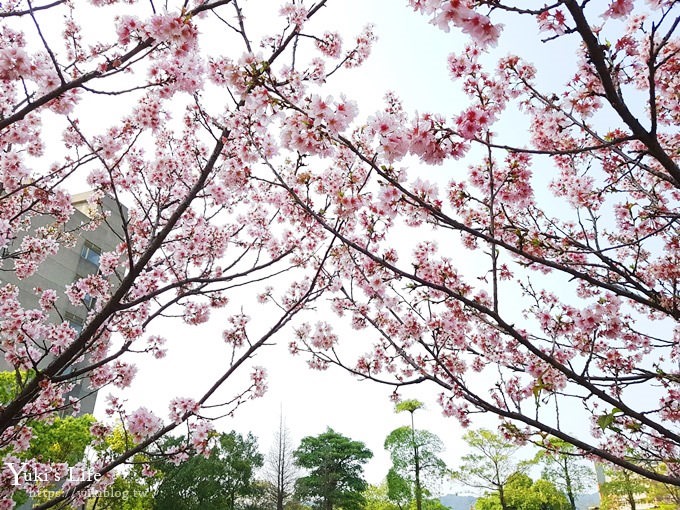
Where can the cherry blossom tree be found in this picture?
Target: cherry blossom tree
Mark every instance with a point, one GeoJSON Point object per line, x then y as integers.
{"type": "Point", "coordinates": [532, 280]}
{"type": "Point", "coordinates": [525, 280]}
{"type": "Point", "coordinates": [178, 128]}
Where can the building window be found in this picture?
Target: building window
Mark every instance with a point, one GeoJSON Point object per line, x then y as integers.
{"type": "Point", "coordinates": [74, 321]}
{"type": "Point", "coordinates": [89, 301]}
{"type": "Point", "coordinates": [91, 253]}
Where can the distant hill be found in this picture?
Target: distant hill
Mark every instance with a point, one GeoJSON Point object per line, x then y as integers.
{"type": "Point", "coordinates": [456, 502]}
{"type": "Point", "coordinates": [586, 501]}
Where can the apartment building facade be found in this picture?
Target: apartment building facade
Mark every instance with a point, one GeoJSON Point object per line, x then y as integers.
{"type": "Point", "coordinates": [73, 261]}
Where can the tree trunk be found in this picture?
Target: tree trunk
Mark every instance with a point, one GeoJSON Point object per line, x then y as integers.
{"type": "Point", "coordinates": [416, 459]}
{"type": "Point", "coordinates": [280, 475]}
{"type": "Point", "coordinates": [629, 491]}
{"type": "Point", "coordinates": [569, 489]}
{"type": "Point", "coordinates": [631, 499]}
{"type": "Point", "coordinates": [501, 496]}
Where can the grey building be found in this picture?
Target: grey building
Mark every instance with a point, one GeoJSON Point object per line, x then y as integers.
{"type": "Point", "coordinates": [77, 257]}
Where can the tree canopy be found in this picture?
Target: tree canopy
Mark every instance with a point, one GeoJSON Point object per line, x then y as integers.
{"type": "Point", "coordinates": [376, 497]}
{"type": "Point", "coordinates": [335, 465]}
{"type": "Point", "coordinates": [522, 493]}
{"type": "Point", "coordinates": [490, 465]}
{"type": "Point", "coordinates": [415, 459]}
{"type": "Point", "coordinates": [222, 480]}
{"type": "Point", "coordinates": [568, 471]}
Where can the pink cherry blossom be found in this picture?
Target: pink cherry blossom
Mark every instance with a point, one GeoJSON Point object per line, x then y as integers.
{"type": "Point", "coordinates": [142, 423]}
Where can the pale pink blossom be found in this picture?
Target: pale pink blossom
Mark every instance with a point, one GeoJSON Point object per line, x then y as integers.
{"type": "Point", "coordinates": [179, 407]}
{"type": "Point", "coordinates": [142, 423]}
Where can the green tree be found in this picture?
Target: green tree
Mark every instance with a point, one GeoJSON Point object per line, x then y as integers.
{"type": "Point", "coordinates": [564, 468]}
{"type": "Point", "coordinates": [336, 471]}
{"type": "Point", "coordinates": [11, 383]}
{"type": "Point", "coordinates": [131, 491]}
{"type": "Point", "coordinates": [411, 406]}
{"type": "Point", "coordinates": [260, 497]}
{"type": "Point", "coordinates": [664, 495]}
{"type": "Point", "coordinates": [414, 455]}
{"type": "Point", "coordinates": [399, 489]}
{"type": "Point", "coordinates": [133, 488]}
{"type": "Point", "coordinates": [490, 465]}
{"type": "Point", "coordinates": [295, 504]}
{"type": "Point", "coordinates": [522, 493]}
{"type": "Point", "coordinates": [63, 439]}
{"type": "Point", "coordinates": [622, 486]}
{"type": "Point", "coordinates": [376, 498]}
{"type": "Point", "coordinates": [217, 482]}
{"type": "Point", "coordinates": [625, 489]}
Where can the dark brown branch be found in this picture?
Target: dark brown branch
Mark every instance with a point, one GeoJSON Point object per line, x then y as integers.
{"type": "Point", "coordinates": [32, 9]}
{"type": "Point", "coordinates": [613, 95]}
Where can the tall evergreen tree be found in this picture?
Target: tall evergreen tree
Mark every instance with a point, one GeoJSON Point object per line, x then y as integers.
{"type": "Point", "coordinates": [336, 477]}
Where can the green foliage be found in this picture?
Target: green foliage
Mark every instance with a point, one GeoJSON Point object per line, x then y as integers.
{"type": "Point", "coordinates": [410, 406]}
{"type": "Point", "coordinates": [545, 496]}
{"type": "Point", "coordinates": [399, 489]}
{"type": "Point", "coordinates": [625, 489]}
{"type": "Point", "coordinates": [11, 383]}
{"type": "Point", "coordinates": [117, 442]}
{"type": "Point", "coordinates": [63, 440]}
{"type": "Point", "coordinates": [522, 493]}
{"type": "Point", "coordinates": [336, 471]}
{"type": "Point", "coordinates": [259, 498]}
{"type": "Point", "coordinates": [217, 482]}
{"type": "Point", "coordinates": [376, 498]}
{"type": "Point", "coordinates": [608, 420]}
{"type": "Point", "coordinates": [622, 487]}
{"type": "Point", "coordinates": [664, 495]}
{"type": "Point", "coordinates": [404, 444]}
{"type": "Point", "coordinates": [566, 470]}
{"type": "Point", "coordinates": [131, 489]}
{"type": "Point", "coordinates": [60, 440]}
{"type": "Point", "coordinates": [294, 504]}
{"type": "Point", "coordinates": [491, 462]}
{"type": "Point", "coordinates": [129, 492]}
{"type": "Point", "coordinates": [416, 468]}
{"type": "Point", "coordinates": [490, 501]}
